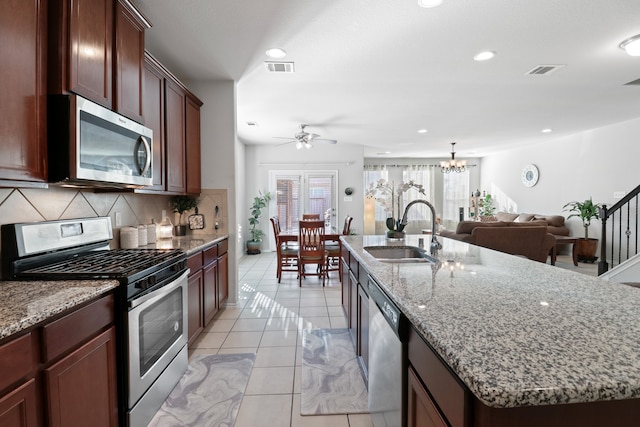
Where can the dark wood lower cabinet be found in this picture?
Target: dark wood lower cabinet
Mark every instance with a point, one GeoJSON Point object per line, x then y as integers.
{"type": "Point", "coordinates": [223, 278]}
{"type": "Point", "coordinates": [194, 316]}
{"type": "Point", "coordinates": [421, 411]}
{"type": "Point", "coordinates": [19, 408]}
{"type": "Point", "coordinates": [210, 292]}
{"type": "Point", "coordinates": [81, 388]}
{"type": "Point", "coordinates": [363, 328]}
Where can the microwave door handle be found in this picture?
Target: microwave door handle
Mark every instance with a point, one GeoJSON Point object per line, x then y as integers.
{"type": "Point", "coordinates": [147, 148]}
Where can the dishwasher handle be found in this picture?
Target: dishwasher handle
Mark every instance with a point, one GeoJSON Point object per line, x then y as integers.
{"type": "Point", "coordinates": [388, 309]}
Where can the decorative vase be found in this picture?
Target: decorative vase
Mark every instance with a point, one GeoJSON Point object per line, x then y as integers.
{"type": "Point", "coordinates": [394, 234]}
{"type": "Point", "coordinates": [253, 247]}
{"type": "Point", "coordinates": [586, 250]}
{"type": "Point", "coordinates": [180, 230]}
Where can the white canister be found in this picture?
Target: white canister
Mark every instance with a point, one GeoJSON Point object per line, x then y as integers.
{"type": "Point", "coordinates": [142, 235]}
{"type": "Point", "coordinates": [129, 237]}
{"type": "Point", "coordinates": [151, 233]}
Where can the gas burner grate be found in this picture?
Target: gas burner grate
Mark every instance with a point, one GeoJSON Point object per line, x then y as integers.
{"type": "Point", "coordinates": [115, 263]}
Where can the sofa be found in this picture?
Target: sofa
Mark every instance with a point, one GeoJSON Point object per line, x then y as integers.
{"type": "Point", "coordinates": [529, 235]}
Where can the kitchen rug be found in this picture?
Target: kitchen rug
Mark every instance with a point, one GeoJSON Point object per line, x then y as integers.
{"type": "Point", "coordinates": [209, 393]}
{"type": "Point", "coordinates": [332, 381]}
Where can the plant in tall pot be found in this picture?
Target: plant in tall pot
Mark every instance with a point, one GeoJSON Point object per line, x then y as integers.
{"type": "Point", "coordinates": [259, 202]}
{"type": "Point", "coordinates": [180, 205]}
{"type": "Point", "coordinates": [587, 210]}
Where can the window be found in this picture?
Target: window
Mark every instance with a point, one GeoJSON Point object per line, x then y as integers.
{"type": "Point", "coordinates": [456, 196]}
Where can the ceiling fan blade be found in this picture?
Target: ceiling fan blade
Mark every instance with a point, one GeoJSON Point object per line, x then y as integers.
{"type": "Point", "coordinates": [285, 143]}
{"type": "Point", "coordinates": [324, 141]}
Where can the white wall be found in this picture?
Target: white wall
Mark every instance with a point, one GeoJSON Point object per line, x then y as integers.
{"type": "Point", "coordinates": [219, 155]}
{"type": "Point", "coordinates": [260, 159]}
{"type": "Point", "coordinates": [594, 163]}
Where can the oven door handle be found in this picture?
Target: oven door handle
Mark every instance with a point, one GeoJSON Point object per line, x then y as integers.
{"type": "Point", "coordinates": [161, 292]}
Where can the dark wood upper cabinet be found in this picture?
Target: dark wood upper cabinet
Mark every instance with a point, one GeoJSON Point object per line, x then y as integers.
{"type": "Point", "coordinates": [90, 50]}
{"type": "Point", "coordinates": [192, 165]}
{"type": "Point", "coordinates": [153, 113]}
{"type": "Point", "coordinates": [23, 123]}
{"type": "Point", "coordinates": [129, 61]}
{"type": "Point", "coordinates": [96, 50]}
{"type": "Point", "coordinates": [175, 131]}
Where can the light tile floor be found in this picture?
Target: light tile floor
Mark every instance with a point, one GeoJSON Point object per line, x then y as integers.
{"type": "Point", "coordinates": [268, 320]}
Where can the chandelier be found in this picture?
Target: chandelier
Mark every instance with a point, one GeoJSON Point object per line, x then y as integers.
{"type": "Point", "coordinates": [453, 165]}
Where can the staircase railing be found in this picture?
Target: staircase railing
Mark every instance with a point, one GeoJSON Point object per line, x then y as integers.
{"type": "Point", "coordinates": [620, 222]}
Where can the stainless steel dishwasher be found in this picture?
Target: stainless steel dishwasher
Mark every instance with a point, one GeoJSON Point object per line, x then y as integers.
{"type": "Point", "coordinates": [387, 356]}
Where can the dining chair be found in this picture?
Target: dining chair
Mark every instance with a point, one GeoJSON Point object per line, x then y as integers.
{"type": "Point", "coordinates": [286, 251]}
{"type": "Point", "coordinates": [334, 249]}
{"type": "Point", "coordinates": [311, 250]}
{"type": "Point", "coordinates": [307, 216]}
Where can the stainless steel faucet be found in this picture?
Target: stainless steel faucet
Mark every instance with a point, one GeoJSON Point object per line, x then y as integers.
{"type": "Point", "coordinates": [435, 244]}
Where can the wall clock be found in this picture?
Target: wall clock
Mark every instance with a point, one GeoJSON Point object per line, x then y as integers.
{"type": "Point", "coordinates": [530, 175]}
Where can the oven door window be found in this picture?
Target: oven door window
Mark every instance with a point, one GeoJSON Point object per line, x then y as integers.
{"type": "Point", "coordinates": [160, 325]}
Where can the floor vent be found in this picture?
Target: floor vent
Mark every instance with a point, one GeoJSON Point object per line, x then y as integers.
{"type": "Point", "coordinates": [541, 70]}
{"type": "Point", "coordinates": [633, 83]}
{"type": "Point", "coordinates": [280, 67]}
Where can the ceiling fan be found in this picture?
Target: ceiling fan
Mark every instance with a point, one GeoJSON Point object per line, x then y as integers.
{"type": "Point", "coordinates": [305, 139]}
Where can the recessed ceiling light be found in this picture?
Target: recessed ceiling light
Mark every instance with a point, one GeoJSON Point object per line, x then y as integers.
{"type": "Point", "coordinates": [545, 130]}
{"type": "Point", "coordinates": [483, 56]}
{"type": "Point", "coordinates": [276, 53]}
{"type": "Point", "coordinates": [422, 131]}
{"type": "Point", "coordinates": [384, 152]}
{"type": "Point", "coordinates": [252, 124]}
{"type": "Point", "coordinates": [632, 45]}
{"type": "Point", "coordinates": [429, 3]}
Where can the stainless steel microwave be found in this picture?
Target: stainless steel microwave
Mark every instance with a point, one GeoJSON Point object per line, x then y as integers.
{"type": "Point", "coordinates": [90, 145]}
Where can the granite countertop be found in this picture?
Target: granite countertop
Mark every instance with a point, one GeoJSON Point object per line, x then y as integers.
{"type": "Point", "coordinates": [516, 332]}
{"type": "Point", "coordinates": [25, 304]}
{"type": "Point", "coordinates": [189, 243]}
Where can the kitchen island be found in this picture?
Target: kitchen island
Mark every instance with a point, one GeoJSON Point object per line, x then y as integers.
{"type": "Point", "coordinates": [527, 342]}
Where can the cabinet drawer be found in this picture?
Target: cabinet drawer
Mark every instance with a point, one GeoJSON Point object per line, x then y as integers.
{"type": "Point", "coordinates": [223, 247]}
{"type": "Point", "coordinates": [447, 391]}
{"type": "Point", "coordinates": [210, 254]}
{"type": "Point", "coordinates": [71, 330]}
{"type": "Point", "coordinates": [18, 358]}
{"type": "Point", "coordinates": [194, 262]}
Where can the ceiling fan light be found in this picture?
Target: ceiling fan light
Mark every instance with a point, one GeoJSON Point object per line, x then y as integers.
{"type": "Point", "coordinates": [307, 145]}
{"type": "Point", "coordinates": [299, 145]}
{"type": "Point", "coordinates": [632, 45]}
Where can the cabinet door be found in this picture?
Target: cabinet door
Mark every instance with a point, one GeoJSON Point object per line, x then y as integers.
{"type": "Point", "coordinates": [19, 408]}
{"type": "Point", "coordinates": [90, 49]}
{"type": "Point", "coordinates": [353, 310]}
{"type": "Point", "coordinates": [421, 411]}
{"type": "Point", "coordinates": [153, 116]}
{"type": "Point", "coordinates": [363, 328]}
{"type": "Point", "coordinates": [23, 88]}
{"type": "Point", "coordinates": [175, 133]}
{"type": "Point", "coordinates": [129, 58]}
{"type": "Point", "coordinates": [210, 292]}
{"type": "Point", "coordinates": [223, 279]}
{"type": "Point", "coordinates": [81, 388]}
{"type": "Point", "coordinates": [192, 164]}
{"type": "Point", "coordinates": [346, 292]}
{"type": "Point", "coordinates": [194, 316]}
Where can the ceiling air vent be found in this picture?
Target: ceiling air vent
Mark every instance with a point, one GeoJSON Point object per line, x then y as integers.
{"type": "Point", "coordinates": [280, 67]}
{"type": "Point", "coordinates": [542, 70]}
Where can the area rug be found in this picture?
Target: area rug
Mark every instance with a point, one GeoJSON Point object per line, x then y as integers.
{"type": "Point", "coordinates": [332, 381]}
{"type": "Point", "coordinates": [209, 393]}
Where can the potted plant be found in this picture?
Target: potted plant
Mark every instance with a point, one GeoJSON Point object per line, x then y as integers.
{"type": "Point", "coordinates": [488, 209]}
{"type": "Point", "coordinates": [180, 205]}
{"type": "Point", "coordinates": [585, 247]}
{"type": "Point", "coordinates": [259, 202]}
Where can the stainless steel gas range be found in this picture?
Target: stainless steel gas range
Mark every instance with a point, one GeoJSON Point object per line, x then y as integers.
{"type": "Point", "coordinates": [151, 301]}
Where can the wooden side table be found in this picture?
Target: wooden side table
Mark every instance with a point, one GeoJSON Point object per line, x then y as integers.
{"type": "Point", "coordinates": [564, 240]}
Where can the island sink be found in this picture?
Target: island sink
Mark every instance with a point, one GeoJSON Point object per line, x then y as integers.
{"type": "Point", "coordinates": [399, 254]}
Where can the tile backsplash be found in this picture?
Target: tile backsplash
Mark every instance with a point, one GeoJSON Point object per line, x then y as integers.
{"type": "Point", "coordinates": [54, 203]}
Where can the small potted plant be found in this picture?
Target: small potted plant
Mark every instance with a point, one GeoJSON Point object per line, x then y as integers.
{"type": "Point", "coordinates": [259, 202]}
{"type": "Point", "coordinates": [180, 205]}
{"type": "Point", "coordinates": [585, 247]}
